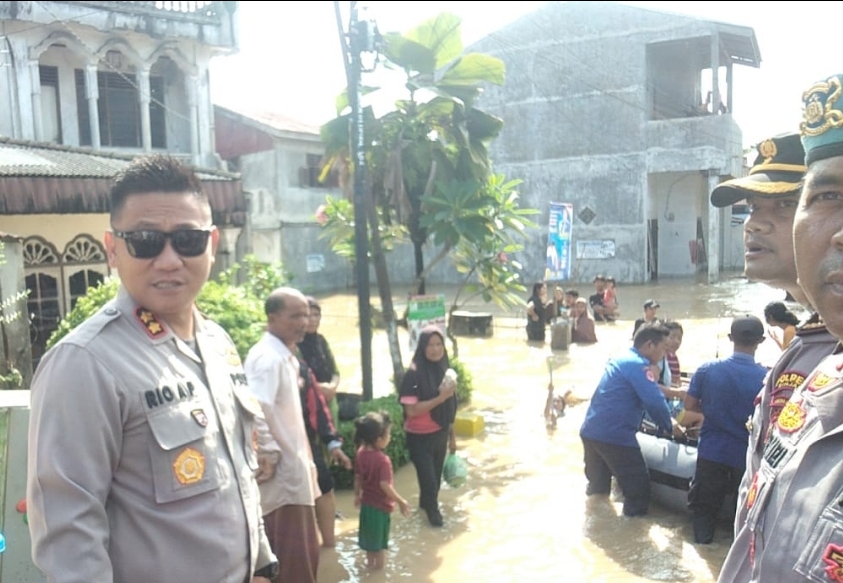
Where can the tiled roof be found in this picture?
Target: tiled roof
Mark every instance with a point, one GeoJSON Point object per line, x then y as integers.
{"type": "Point", "coordinates": [40, 178]}
{"type": "Point", "coordinates": [27, 158]}
{"type": "Point", "coordinates": [21, 158]}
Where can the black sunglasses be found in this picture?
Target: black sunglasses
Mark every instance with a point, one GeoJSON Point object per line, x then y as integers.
{"type": "Point", "coordinates": [148, 244]}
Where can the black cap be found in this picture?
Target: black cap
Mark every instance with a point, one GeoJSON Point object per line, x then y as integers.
{"type": "Point", "coordinates": [747, 329]}
{"type": "Point", "coordinates": [778, 171]}
{"type": "Point", "coordinates": [651, 304]}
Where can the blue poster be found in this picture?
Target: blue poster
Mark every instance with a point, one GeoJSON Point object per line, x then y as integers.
{"type": "Point", "coordinates": [559, 226]}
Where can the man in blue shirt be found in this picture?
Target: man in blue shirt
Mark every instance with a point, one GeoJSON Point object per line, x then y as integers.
{"type": "Point", "coordinates": [724, 392]}
{"type": "Point", "coordinates": [628, 389]}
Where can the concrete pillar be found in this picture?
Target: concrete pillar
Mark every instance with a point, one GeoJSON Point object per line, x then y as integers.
{"type": "Point", "coordinates": [37, 116]}
{"type": "Point", "coordinates": [190, 82]}
{"type": "Point", "coordinates": [145, 98]}
{"type": "Point", "coordinates": [729, 92]}
{"type": "Point", "coordinates": [92, 93]}
{"type": "Point", "coordinates": [715, 73]}
{"type": "Point", "coordinates": [714, 223]}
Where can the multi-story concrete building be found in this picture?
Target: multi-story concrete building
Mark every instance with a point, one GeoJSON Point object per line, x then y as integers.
{"type": "Point", "coordinates": [280, 160]}
{"type": "Point", "coordinates": [84, 87]}
{"type": "Point", "coordinates": [627, 114]}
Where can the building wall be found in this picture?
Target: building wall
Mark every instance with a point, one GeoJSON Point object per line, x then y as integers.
{"type": "Point", "coordinates": [182, 63]}
{"type": "Point", "coordinates": [578, 129]}
{"type": "Point", "coordinates": [677, 206]}
{"type": "Point", "coordinates": [56, 229]}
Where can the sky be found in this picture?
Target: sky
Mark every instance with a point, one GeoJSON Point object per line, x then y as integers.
{"type": "Point", "coordinates": [290, 62]}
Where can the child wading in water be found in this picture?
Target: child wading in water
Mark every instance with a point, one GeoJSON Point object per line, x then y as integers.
{"type": "Point", "coordinates": [374, 493]}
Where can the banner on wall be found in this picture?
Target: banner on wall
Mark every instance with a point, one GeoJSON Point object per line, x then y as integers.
{"type": "Point", "coordinates": [424, 310]}
{"type": "Point", "coordinates": [559, 227]}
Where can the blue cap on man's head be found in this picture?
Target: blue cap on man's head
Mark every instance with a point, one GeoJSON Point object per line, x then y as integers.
{"type": "Point", "coordinates": [822, 120]}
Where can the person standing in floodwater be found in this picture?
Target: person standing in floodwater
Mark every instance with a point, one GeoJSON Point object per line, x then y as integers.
{"type": "Point", "coordinates": [537, 310]}
{"type": "Point", "coordinates": [430, 407]}
{"type": "Point", "coordinates": [628, 389]}
{"type": "Point", "coordinates": [374, 490]}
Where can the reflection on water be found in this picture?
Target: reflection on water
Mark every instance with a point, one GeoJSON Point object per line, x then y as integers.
{"type": "Point", "coordinates": [522, 514]}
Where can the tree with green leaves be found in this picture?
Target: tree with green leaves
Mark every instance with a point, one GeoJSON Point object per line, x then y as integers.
{"type": "Point", "coordinates": [428, 165]}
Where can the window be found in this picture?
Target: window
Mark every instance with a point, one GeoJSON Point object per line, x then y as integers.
{"type": "Point", "coordinates": [118, 109]}
{"type": "Point", "coordinates": [55, 282]}
{"type": "Point", "coordinates": [309, 174]}
{"type": "Point", "coordinates": [82, 113]}
{"type": "Point", "coordinates": [50, 103]}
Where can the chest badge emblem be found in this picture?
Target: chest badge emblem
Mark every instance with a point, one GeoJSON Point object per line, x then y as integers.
{"type": "Point", "coordinates": [189, 466]}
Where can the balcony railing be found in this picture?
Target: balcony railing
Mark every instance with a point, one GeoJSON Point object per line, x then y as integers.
{"type": "Point", "coordinates": [196, 11]}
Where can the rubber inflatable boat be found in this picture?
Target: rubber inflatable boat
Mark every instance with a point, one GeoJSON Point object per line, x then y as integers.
{"type": "Point", "coordinates": [672, 464]}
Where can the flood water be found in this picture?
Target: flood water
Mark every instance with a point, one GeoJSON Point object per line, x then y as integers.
{"type": "Point", "coordinates": [523, 515]}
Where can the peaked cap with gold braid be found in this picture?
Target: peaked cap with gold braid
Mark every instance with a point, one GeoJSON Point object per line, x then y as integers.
{"type": "Point", "coordinates": [822, 120]}
{"type": "Point", "coordinates": [778, 171]}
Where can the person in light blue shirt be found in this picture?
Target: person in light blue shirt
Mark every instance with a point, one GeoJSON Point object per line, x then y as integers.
{"type": "Point", "coordinates": [628, 389]}
{"type": "Point", "coordinates": [724, 392]}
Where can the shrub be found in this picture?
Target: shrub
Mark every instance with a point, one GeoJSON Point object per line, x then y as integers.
{"type": "Point", "coordinates": [237, 308]}
{"type": "Point", "coordinates": [465, 382]}
{"type": "Point", "coordinates": [95, 298]}
{"type": "Point", "coordinates": [396, 450]}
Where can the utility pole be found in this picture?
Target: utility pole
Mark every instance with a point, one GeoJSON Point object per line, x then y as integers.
{"type": "Point", "coordinates": [359, 39]}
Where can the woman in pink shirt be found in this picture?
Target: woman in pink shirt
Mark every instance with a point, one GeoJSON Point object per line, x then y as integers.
{"type": "Point", "coordinates": [430, 406]}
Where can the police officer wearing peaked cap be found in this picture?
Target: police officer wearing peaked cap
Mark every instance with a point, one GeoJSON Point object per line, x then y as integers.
{"type": "Point", "coordinates": [140, 465]}
{"type": "Point", "coordinates": [771, 191]}
{"type": "Point", "coordinates": [793, 522]}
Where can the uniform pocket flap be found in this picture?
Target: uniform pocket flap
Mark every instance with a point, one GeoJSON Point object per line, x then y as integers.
{"type": "Point", "coordinates": [178, 424]}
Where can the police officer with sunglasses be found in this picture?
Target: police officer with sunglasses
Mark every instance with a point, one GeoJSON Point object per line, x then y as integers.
{"type": "Point", "coordinates": [141, 466]}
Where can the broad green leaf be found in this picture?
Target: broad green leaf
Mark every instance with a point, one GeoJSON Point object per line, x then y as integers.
{"type": "Point", "coordinates": [481, 125]}
{"type": "Point", "coordinates": [467, 94]}
{"type": "Point", "coordinates": [342, 101]}
{"type": "Point", "coordinates": [441, 35]}
{"type": "Point", "coordinates": [334, 134]}
{"type": "Point", "coordinates": [473, 69]}
{"type": "Point", "coordinates": [408, 54]}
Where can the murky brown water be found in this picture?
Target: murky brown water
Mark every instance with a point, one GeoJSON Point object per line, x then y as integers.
{"type": "Point", "coordinates": [523, 515]}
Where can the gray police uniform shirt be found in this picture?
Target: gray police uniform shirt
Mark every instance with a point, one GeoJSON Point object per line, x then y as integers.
{"type": "Point", "coordinates": [794, 520]}
{"type": "Point", "coordinates": [812, 343]}
{"type": "Point", "coordinates": [141, 465]}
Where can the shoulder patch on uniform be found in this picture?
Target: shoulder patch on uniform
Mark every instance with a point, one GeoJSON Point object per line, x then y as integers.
{"type": "Point", "coordinates": [791, 418]}
{"type": "Point", "coordinates": [833, 557]}
{"type": "Point", "coordinates": [150, 323]}
{"type": "Point", "coordinates": [649, 373]}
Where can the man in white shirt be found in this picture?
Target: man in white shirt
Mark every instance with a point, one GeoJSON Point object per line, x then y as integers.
{"type": "Point", "coordinates": [287, 476]}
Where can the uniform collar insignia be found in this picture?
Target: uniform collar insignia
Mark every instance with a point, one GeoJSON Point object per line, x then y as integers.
{"type": "Point", "coordinates": [154, 328]}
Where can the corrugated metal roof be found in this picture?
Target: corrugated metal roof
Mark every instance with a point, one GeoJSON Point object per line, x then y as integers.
{"type": "Point", "coordinates": [270, 120]}
{"type": "Point", "coordinates": [38, 178]}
